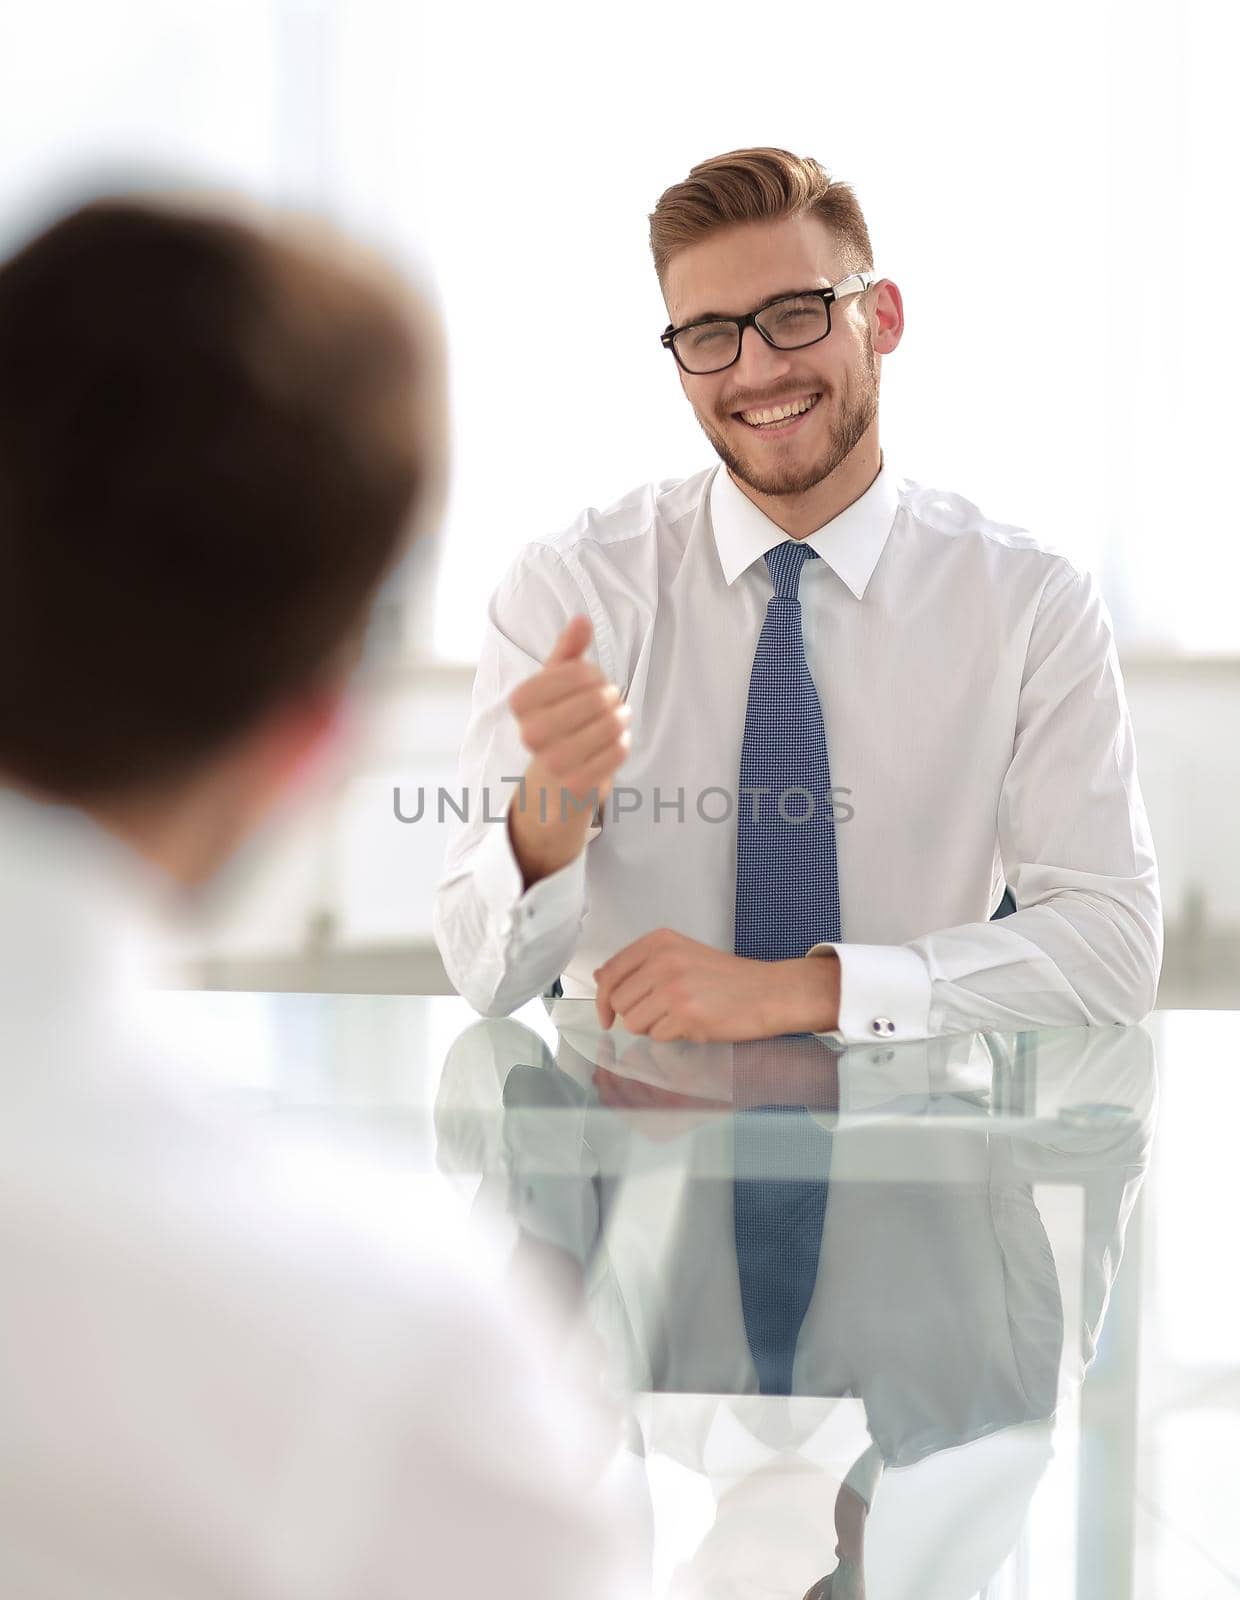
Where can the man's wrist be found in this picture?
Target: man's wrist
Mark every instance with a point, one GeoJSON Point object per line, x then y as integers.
{"type": "Point", "coordinates": [542, 849]}
{"type": "Point", "coordinates": [809, 995]}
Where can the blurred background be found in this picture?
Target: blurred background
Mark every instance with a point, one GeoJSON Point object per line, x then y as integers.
{"type": "Point", "coordinates": [1048, 186]}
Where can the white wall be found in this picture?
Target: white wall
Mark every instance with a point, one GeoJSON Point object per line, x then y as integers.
{"type": "Point", "coordinates": [1186, 716]}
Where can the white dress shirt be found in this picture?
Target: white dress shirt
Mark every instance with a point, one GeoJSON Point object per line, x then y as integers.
{"type": "Point", "coordinates": [977, 729]}
{"type": "Point", "coordinates": [237, 1365]}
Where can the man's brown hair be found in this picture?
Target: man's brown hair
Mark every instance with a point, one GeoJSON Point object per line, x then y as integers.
{"type": "Point", "coordinates": [758, 185]}
{"type": "Point", "coordinates": [213, 441]}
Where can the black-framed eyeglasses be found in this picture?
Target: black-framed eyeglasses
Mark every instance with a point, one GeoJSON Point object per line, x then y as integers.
{"type": "Point", "coordinates": [788, 323]}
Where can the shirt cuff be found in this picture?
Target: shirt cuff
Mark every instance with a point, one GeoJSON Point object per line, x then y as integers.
{"type": "Point", "coordinates": [550, 903]}
{"type": "Point", "coordinates": [884, 993]}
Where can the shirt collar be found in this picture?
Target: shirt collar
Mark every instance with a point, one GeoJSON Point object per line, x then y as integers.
{"type": "Point", "coordinates": [850, 543]}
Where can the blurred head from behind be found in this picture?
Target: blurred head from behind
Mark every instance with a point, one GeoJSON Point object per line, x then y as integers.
{"type": "Point", "coordinates": [217, 432]}
{"type": "Point", "coordinates": [744, 229]}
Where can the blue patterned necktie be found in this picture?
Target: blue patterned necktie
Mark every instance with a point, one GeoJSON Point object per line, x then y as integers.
{"type": "Point", "coordinates": [787, 888]}
{"type": "Point", "coordinates": [787, 899]}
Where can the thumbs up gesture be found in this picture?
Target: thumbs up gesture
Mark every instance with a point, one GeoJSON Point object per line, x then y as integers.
{"type": "Point", "coordinates": [576, 729]}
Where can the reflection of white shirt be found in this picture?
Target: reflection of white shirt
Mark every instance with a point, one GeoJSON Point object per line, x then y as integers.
{"type": "Point", "coordinates": [931, 1211]}
{"type": "Point", "coordinates": [235, 1366]}
{"type": "Point", "coordinates": [934, 1299]}
{"type": "Point", "coordinates": [975, 716]}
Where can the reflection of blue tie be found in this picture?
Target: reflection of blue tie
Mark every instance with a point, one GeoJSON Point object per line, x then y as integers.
{"type": "Point", "coordinates": [778, 1221]}
{"type": "Point", "coordinates": [787, 889]}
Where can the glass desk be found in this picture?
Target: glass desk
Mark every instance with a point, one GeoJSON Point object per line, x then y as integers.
{"type": "Point", "coordinates": [944, 1319]}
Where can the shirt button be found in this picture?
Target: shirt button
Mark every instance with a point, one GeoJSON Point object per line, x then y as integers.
{"type": "Point", "coordinates": [884, 1027]}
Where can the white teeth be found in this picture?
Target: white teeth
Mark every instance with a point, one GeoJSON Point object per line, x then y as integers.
{"type": "Point", "coordinates": [779, 413]}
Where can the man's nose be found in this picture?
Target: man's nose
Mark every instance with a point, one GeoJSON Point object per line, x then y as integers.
{"type": "Point", "coordinates": [759, 364]}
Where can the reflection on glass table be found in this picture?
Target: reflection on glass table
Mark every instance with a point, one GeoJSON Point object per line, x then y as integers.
{"type": "Point", "coordinates": [608, 1169]}
{"type": "Point", "coordinates": [852, 1293]}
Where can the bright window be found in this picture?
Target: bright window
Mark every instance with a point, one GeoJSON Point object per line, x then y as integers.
{"type": "Point", "coordinates": [1049, 187]}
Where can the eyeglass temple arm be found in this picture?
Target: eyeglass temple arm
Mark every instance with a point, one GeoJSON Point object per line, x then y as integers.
{"type": "Point", "coordinates": [854, 284]}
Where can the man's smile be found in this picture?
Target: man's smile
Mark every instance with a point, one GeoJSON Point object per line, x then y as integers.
{"type": "Point", "coordinates": [782, 418]}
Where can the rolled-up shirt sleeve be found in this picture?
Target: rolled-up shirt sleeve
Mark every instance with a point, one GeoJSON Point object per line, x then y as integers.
{"type": "Point", "coordinates": [1085, 944]}
{"type": "Point", "coordinates": [502, 944]}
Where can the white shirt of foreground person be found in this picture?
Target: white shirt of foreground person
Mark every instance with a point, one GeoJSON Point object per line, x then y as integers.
{"type": "Point", "coordinates": [236, 1366]}
{"type": "Point", "coordinates": [977, 729]}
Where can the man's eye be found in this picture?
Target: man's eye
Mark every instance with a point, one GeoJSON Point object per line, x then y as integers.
{"type": "Point", "coordinates": [711, 333]}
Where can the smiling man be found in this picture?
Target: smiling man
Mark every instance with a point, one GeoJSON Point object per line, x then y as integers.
{"type": "Point", "coordinates": [787, 733]}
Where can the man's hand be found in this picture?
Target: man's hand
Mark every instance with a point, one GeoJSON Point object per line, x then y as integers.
{"type": "Point", "coordinates": [671, 987]}
{"type": "Point", "coordinates": [659, 1115]}
{"type": "Point", "coordinates": [575, 727]}
{"type": "Point", "coordinates": [677, 1075]}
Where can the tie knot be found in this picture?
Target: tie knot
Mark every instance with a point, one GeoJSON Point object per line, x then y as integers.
{"type": "Point", "coordinates": [785, 562]}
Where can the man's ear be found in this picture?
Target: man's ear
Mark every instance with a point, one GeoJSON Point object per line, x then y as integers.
{"type": "Point", "coordinates": [887, 317]}
{"type": "Point", "coordinates": [298, 740]}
